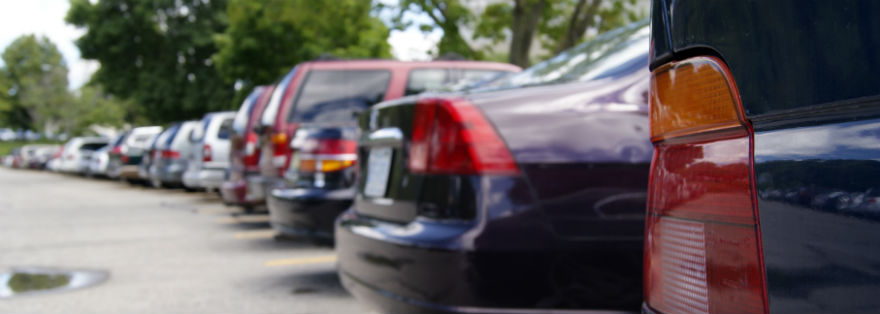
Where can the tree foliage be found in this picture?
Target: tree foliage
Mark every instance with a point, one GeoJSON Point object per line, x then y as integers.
{"type": "Point", "coordinates": [555, 24]}
{"type": "Point", "coordinates": [266, 37]}
{"type": "Point", "coordinates": [33, 84]}
{"type": "Point", "coordinates": [156, 53]}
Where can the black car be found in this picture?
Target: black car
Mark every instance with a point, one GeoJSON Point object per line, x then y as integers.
{"type": "Point", "coordinates": [525, 198]}
{"type": "Point", "coordinates": [766, 123]}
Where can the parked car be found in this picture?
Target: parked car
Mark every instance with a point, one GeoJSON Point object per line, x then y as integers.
{"type": "Point", "coordinates": [763, 130]}
{"type": "Point", "coordinates": [208, 162]}
{"type": "Point", "coordinates": [100, 161]}
{"type": "Point", "coordinates": [169, 161]}
{"type": "Point", "coordinates": [13, 160]}
{"type": "Point", "coordinates": [35, 156]}
{"type": "Point", "coordinates": [331, 91]}
{"type": "Point", "coordinates": [525, 198]}
{"type": "Point", "coordinates": [319, 180]}
{"type": "Point", "coordinates": [244, 152]}
{"type": "Point", "coordinates": [125, 158]}
{"type": "Point", "coordinates": [78, 149]}
{"type": "Point", "coordinates": [147, 159]}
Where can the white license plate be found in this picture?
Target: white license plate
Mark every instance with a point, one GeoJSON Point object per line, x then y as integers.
{"type": "Point", "coordinates": [378, 170]}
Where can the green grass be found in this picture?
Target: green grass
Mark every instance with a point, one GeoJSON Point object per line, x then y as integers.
{"type": "Point", "coordinates": [6, 147]}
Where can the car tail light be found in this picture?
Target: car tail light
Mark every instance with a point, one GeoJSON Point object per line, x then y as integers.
{"type": "Point", "coordinates": [703, 249]}
{"type": "Point", "coordinates": [170, 154]}
{"type": "Point", "coordinates": [206, 153]}
{"type": "Point", "coordinates": [451, 136]}
{"type": "Point", "coordinates": [124, 158]}
{"type": "Point", "coordinates": [251, 150]}
{"type": "Point", "coordinates": [326, 155]}
{"type": "Point", "coordinates": [117, 150]}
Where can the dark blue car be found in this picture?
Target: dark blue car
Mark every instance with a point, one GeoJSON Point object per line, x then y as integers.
{"type": "Point", "coordinates": [764, 184]}
{"type": "Point", "coordinates": [526, 198]}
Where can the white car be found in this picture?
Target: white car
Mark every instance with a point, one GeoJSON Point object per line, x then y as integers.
{"type": "Point", "coordinates": [100, 161]}
{"type": "Point", "coordinates": [76, 150]}
{"type": "Point", "coordinates": [209, 162]}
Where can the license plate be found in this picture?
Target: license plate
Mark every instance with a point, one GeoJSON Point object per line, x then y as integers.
{"type": "Point", "coordinates": [378, 170]}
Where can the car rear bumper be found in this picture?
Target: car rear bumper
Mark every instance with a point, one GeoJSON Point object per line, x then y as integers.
{"type": "Point", "coordinates": [234, 192]}
{"type": "Point", "coordinates": [257, 186]}
{"type": "Point", "coordinates": [128, 172]}
{"type": "Point", "coordinates": [206, 178]}
{"type": "Point", "coordinates": [431, 266]}
{"type": "Point", "coordinates": [307, 212]}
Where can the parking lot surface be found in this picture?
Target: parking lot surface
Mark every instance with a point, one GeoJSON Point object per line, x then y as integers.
{"type": "Point", "coordinates": [165, 251]}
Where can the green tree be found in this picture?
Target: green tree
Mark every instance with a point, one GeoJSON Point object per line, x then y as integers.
{"type": "Point", "coordinates": [448, 15]}
{"type": "Point", "coordinates": [265, 38]}
{"type": "Point", "coordinates": [556, 24]}
{"type": "Point", "coordinates": [93, 106]}
{"type": "Point", "coordinates": [33, 84]}
{"type": "Point", "coordinates": [156, 53]}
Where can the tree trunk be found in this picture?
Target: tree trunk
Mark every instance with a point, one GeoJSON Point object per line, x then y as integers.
{"type": "Point", "coordinates": [526, 15]}
{"type": "Point", "coordinates": [581, 19]}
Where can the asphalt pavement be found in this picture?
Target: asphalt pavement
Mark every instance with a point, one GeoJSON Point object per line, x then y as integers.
{"type": "Point", "coordinates": [164, 251]}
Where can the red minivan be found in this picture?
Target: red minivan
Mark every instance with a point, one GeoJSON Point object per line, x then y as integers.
{"type": "Point", "coordinates": [245, 149]}
{"type": "Point", "coordinates": [318, 91]}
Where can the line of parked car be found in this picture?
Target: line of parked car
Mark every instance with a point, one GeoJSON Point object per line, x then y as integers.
{"type": "Point", "coordinates": [526, 192]}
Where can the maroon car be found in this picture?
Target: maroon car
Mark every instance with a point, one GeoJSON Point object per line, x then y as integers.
{"type": "Point", "coordinates": [323, 90]}
{"type": "Point", "coordinates": [245, 150]}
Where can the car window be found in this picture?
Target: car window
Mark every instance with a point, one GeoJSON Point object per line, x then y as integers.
{"type": "Point", "coordinates": [608, 55]}
{"type": "Point", "coordinates": [244, 112]}
{"type": "Point", "coordinates": [225, 129]}
{"type": "Point", "coordinates": [271, 110]}
{"type": "Point", "coordinates": [92, 146]}
{"type": "Point", "coordinates": [439, 79]}
{"type": "Point", "coordinates": [169, 137]}
{"type": "Point", "coordinates": [335, 95]}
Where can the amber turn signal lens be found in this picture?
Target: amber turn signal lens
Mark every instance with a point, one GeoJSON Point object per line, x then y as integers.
{"type": "Point", "coordinates": [279, 138]}
{"type": "Point", "coordinates": [693, 96]}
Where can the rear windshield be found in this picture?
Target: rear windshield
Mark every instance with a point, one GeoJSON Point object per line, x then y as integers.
{"type": "Point", "coordinates": [92, 146]}
{"type": "Point", "coordinates": [609, 55]}
{"type": "Point", "coordinates": [244, 112]}
{"type": "Point", "coordinates": [225, 129]}
{"type": "Point", "coordinates": [271, 110]}
{"type": "Point", "coordinates": [438, 79]}
{"type": "Point", "coordinates": [335, 95]}
{"type": "Point", "coordinates": [172, 132]}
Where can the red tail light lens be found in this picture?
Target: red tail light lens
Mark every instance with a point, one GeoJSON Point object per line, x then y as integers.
{"type": "Point", "coordinates": [117, 150]}
{"type": "Point", "coordinates": [325, 155]}
{"type": "Point", "coordinates": [451, 136]}
{"type": "Point", "coordinates": [206, 153]}
{"type": "Point", "coordinates": [251, 150]}
{"type": "Point", "coordinates": [703, 251]}
{"type": "Point", "coordinates": [170, 154]}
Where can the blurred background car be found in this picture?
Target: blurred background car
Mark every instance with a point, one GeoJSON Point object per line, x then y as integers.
{"type": "Point", "coordinates": [333, 91]}
{"type": "Point", "coordinates": [209, 161]}
{"type": "Point", "coordinates": [244, 152]}
{"type": "Point", "coordinates": [100, 161]}
{"type": "Point", "coordinates": [125, 157]}
{"type": "Point", "coordinates": [35, 156]}
{"type": "Point", "coordinates": [318, 182]}
{"type": "Point", "coordinates": [78, 149]}
{"type": "Point", "coordinates": [170, 158]}
{"type": "Point", "coordinates": [528, 197]}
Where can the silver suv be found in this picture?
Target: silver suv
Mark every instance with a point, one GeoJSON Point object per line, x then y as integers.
{"type": "Point", "coordinates": [210, 160]}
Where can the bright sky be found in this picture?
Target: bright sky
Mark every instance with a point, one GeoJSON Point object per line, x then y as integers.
{"type": "Point", "coordinates": [46, 17]}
